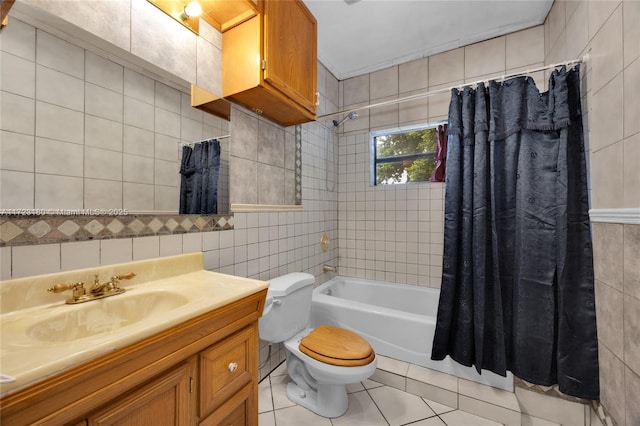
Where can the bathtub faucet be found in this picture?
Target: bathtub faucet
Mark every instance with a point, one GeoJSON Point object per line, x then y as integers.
{"type": "Point", "coordinates": [328, 268]}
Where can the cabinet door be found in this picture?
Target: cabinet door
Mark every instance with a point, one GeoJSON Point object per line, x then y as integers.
{"type": "Point", "coordinates": [235, 412]}
{"type": "Point", "coordinates": [226, 368]}
{"type": "Point", "coordinates": [163, 402]}
{"type": "Point", "coordinates": [290, 51]}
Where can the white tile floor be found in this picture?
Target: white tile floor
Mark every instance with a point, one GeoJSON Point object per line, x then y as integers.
{"type": "Point", "coordinates": [370, 404]}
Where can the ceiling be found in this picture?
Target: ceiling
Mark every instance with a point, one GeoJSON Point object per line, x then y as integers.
{"type": "Point", "coordinates": [360, 36]}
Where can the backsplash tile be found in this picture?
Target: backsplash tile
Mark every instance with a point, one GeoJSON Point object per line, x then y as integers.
{"type": "Point", "coordinates": [22, 260]}
{"type": "Point", "coordinates": [27, 230]}
{"type": "Point", "coordinates": [116, 251]}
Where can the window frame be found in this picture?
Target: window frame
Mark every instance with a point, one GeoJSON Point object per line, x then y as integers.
{"type": "Point", "coordinates": [374, 160]}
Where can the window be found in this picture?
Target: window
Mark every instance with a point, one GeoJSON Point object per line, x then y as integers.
{"type": "Point", "coordinates": [404, 155]}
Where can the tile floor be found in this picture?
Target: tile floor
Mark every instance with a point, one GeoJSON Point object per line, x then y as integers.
{"type": "Point", "coordinates": [370, 404]}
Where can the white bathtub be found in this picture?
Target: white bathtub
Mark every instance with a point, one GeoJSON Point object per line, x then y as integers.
{"type": "Point", "coordinates": [397, 320]}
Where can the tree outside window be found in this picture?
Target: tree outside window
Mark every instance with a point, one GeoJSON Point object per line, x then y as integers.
{"type": "Point", "coordinates": [404, 156]}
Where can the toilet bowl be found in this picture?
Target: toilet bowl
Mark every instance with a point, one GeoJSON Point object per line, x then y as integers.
{"type": "Point", "coordinates": [321, 361]}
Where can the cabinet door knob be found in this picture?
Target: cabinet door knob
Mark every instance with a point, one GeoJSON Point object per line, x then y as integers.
{"type": "Point", "coordinates": [233, 366]}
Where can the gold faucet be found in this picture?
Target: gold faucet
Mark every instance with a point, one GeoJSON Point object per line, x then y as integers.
{"type": "Point", "coordinates": [97, 291]}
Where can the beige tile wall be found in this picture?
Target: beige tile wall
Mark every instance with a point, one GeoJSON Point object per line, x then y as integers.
{"type": "Point", "coordinates": [394, 233]}
{"type": "Point", "coordinates": [609, 32]}
{"type": "Point", "coordinates": [131, 26]}
{"type": "Point", "coordinates": [263, 165]}
{"type": "Point", "coordinates": [617, 271]}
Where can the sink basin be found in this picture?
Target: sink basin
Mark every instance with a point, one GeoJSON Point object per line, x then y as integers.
{"type": "Point", "coordinates": [41, 336]}
{"type": "Point", "coordinates": [104, 316]}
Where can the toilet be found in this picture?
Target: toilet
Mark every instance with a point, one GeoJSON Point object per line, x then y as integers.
{"type": "Point", "coordinates": [320, 361]}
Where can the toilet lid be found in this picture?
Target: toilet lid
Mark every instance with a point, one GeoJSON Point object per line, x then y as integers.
{"type": "Point", "coordinates": [337, 346]}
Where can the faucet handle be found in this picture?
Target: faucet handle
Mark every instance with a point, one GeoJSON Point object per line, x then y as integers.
{"type": "Point", "coordinates": [78, 289]}
{"type": "Point", "coordinates": [59, 288]}
{"type": "Point", "coordinates": [116, 278]}
{"type": "Point", "coordinates": [126, 276]}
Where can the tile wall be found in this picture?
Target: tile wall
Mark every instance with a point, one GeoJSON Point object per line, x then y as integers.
{"type": "Point", "coordinates": [395, 233]}
{"type": "Point", "coordinates": [609, 32]}
{"type": "Point", "coordinates": [263, 166]}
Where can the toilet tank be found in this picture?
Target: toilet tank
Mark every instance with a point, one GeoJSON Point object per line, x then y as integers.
{"type": "Point", "coordinates": [288, 307]}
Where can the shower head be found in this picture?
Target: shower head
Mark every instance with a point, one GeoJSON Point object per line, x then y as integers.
{"type": "Point", "coordinates": [351, 116]}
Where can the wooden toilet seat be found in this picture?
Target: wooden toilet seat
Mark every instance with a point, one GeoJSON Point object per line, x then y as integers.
{"type": "Point", "coordinates": [337, 346]}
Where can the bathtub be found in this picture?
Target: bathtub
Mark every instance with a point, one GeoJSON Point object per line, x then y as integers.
{"type": "Point", "coordinates": [397, 320]}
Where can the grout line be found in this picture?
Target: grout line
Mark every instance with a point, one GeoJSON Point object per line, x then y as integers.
{"type": "Point", "coordinates": [376, 405]}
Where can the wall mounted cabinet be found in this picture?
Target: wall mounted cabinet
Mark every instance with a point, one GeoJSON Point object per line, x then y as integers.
{"type": "Point", "coordinates": [270, 62]}
{"type": "Point", "coordinates": [208, 102]}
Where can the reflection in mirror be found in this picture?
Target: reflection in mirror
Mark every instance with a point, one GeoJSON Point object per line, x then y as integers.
{"type": "Point", "coordinates": [200, 177]}
{"type": "Point", "coordinates": [81, 131]}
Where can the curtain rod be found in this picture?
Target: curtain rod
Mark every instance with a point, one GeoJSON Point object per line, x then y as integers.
{"type": "Point", "coordinates": [180, 143]}
{"type": "Point", "coordinates": [501, 77]}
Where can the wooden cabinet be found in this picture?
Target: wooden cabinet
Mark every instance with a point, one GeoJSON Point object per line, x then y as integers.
{"type": "Point", "coordinates": [223, 375]}
{"type": "Point", "coordinates": [166, 400]}
{"type": "Point", "coordinates": [270, 62]}
{"type": "Point", "coordinates": [203, 371]}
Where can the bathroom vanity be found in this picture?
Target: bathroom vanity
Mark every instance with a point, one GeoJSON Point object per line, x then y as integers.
{"type": "Point", "coordinates": [190, 362]}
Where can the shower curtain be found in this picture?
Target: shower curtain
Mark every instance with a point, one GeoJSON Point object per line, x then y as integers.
{"type": "Point", "coordinates": [517, 286]}
{"type": "Point", "coordinates": [200, 170]}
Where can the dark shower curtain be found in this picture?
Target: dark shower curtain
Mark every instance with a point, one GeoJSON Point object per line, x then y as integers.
{"type": "Point", "coordinates": [517, 285]}
{"type": "Point", "coordinates": [200, 169]}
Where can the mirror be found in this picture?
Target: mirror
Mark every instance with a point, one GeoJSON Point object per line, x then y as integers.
{"type": "Point", "coordinates": [83, 132]}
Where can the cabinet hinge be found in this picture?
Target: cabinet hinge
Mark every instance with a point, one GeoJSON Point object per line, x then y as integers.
{"type": "Point", "coordinates": [190, 384]}
{"type": "Point", "coordinates": [264, 64]}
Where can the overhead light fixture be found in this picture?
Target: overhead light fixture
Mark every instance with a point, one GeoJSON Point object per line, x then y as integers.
{"type": "Point", "coordinates": [192, 10]}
